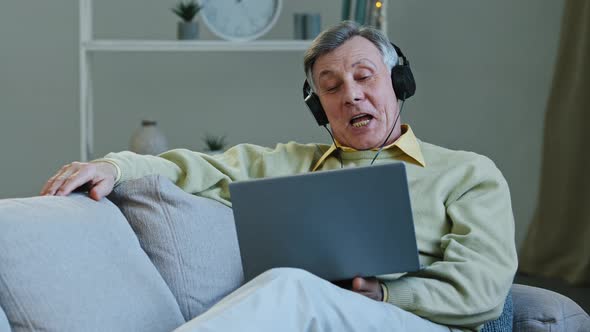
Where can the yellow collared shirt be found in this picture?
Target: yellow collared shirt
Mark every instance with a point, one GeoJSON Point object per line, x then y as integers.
{"type": "Point", "coordinates": [407, 143]}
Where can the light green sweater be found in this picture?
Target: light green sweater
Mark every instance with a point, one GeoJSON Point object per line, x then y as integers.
{"type": "Point", "coordinates": [461, 205]}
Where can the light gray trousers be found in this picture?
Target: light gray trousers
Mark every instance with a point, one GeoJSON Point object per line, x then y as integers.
{"type": "Point", "coordinates": [287, 299]}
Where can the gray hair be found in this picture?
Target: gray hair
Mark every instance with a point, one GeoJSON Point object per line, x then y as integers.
{"type": "Point", "coordinates": [340, 33]}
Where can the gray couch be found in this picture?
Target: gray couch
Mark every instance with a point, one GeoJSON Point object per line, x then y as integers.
{"type": "Point", "coordinates": [150, 258]}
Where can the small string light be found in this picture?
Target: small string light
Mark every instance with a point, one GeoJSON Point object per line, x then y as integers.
{"type": "Point", "coordinates": [378, 4]}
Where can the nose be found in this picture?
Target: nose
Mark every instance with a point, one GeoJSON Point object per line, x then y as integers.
{"type": "Point", "coordinates": [353, 93]}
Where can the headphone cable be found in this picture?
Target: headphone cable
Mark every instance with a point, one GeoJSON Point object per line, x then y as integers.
{"type": "Point", "coordinates": [391, 131]}
{"type": "Point", "coordinates": [335, 145]}
{"type": "Point", "coordinates": [382, 145]}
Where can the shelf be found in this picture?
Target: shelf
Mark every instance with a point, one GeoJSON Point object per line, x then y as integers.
{"type": "Point", "coordinates": [121, 45]}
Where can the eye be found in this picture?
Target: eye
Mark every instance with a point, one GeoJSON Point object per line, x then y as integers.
{"type": "Point", "coordinates": [363, 78]}
{"type": "Point", "coordinates": [363, 74]}
{"type": "Point", "coordinates": [332, 88]}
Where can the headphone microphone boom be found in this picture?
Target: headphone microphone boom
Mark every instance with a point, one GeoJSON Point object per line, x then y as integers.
{"type": "Point", "coordinates": [402, 80]}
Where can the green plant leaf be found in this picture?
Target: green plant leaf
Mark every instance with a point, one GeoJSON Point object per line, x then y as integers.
{"type": "Point", "coordinates": [187, 11]}
{"type": "Point", "coordinates": [214, 143]}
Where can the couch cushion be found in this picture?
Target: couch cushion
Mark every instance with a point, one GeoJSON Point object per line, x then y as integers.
{"type": "Point", "coordinates": [191, 240]}
{"type": "Point", "coordinates": [4, 327]}
{"type": "Point", "coordinates": [538, 309]}
{"type": "Point", "coordinates": [73, 264]}
{"type": "Point", "coordinates": [505, 321]}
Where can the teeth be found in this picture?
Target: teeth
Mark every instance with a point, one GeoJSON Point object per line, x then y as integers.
{"type": "Point", "coordinates": [361, 123]}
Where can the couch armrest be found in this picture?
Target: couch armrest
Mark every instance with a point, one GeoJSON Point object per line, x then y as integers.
{"type": "Point", "coordinates": [4, 327]}
{"type": "Point", "coordinates": [505, 321]}
{"type": "Point", "coordinates": [538, 309]}
{"type": "Point", "coordinates": [73, 264]}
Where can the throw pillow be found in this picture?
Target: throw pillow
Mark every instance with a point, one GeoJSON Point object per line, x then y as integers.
{"type": "Point", "coordinates": [190, 239]}
{"type": "Point", "coordinates": [73, 264]}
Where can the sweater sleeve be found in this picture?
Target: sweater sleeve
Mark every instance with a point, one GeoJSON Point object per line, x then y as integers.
{"type": "Point", "coordinates": [470, 284]}
{"type": "Point", "coordinates": [210, 176]}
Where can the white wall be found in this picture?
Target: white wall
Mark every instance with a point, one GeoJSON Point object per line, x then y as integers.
{"type": "Point", "coordinates": [483, 71]}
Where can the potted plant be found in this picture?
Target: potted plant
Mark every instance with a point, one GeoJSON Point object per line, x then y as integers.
{"type": "Point", "coordinates": [215, 144]}
{"type": "Point", "coordinates": [187, 28]}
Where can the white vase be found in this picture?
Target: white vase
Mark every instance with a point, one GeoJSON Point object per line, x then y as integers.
{"type": "Point", "coordinates": [148, 139]}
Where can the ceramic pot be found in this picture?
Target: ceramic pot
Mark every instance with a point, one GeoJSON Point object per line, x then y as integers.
{"type": "Point", "coordinates": [148, 139]}
{"type": "Point", "coordinates": [187, 30]}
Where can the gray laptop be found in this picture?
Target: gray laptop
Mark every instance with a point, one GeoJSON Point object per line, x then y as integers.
{"type": "Point", "coordinates": [336, 224]}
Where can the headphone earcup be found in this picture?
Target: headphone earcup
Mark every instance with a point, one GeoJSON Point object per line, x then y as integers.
{"type": "Point", "coordinates": [403, 82]}
{"type": "Point", "coordinates": [315, 106]}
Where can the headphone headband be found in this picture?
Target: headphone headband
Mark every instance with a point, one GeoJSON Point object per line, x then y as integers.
{"type": "Point", "coordinates": [401, 55]}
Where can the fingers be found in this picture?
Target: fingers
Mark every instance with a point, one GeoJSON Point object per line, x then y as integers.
{"type": "Point", "coordinates": [101, 189]}
{"type": "Point", "coordinates": [73, 181]}
{"type": "Point", "coordinates": [45, 190]}
{"type": "Point", "coordinates": [362, 285]}
{"type": "Point", "coordinates": [368, 287]}
{"type": "Point", "coordinates": [100, 178]}
{"type": "Point", "coordinates": [56, 181]}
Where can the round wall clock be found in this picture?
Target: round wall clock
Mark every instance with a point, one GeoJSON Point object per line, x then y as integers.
{"type": "Point", "coordinates": [240, 20]}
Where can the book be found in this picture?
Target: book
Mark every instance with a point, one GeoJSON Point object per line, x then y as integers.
{"type": "Point", "coordinates": [346, 9]}
{"type": "Point", "coordinates": [360, 11]}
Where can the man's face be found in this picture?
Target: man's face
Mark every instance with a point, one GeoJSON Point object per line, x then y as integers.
{"type": "Point", "coordinates": [355, 89]}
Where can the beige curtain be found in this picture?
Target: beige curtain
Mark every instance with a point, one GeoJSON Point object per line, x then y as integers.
{"type": "Point", "coordinates": [558, 240]}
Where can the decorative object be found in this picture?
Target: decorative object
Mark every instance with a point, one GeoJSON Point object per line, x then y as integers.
{"type": "Point", "coordinates": [214, 144]}
{"type": "Point", "coordinates": [307, 25]}
{"type": "Point", "coordinates": [240, 20]}
{"type": "Point", "coordinates": [366, 12]}
{"type": "Point", "coordinates": [375, 15]}
{"type": "Point", "coordinates": [187, 28]}
{"type": "Point", "coordinates": [298, 26]}
{"type": "Point", "coordinates": [148, 139]}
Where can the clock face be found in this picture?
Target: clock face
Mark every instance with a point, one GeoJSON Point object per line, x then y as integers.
{"type": "Point", "coordinates": [240, 20]}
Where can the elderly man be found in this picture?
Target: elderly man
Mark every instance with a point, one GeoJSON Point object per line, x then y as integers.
{"type": "Point", "coordinates": [462, 210]}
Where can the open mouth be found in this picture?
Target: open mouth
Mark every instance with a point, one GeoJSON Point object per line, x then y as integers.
{"type": "Point", "coordinates": [361, 120]}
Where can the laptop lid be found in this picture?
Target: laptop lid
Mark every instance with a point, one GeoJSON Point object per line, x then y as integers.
{"type": "Point", "coordinates": [336, 224]}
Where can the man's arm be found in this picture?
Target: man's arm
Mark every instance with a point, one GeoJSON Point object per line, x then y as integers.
{"type": "Point", "coordinates": [194, 172]}
{"type": "Point", "coordinates": [470, 284]}
{"type": "Point", "coordinates": [210, 176]}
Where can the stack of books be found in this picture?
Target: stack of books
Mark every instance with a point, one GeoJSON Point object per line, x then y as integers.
{"type": "Point", "coordinates": [365, 12]}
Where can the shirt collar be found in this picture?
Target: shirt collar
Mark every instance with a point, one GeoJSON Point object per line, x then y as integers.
{"type": "Point", "coordinates": [407, 143]}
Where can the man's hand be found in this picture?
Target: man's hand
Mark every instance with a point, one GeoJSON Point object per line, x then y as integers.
{"type": "Point", "coordinates": [99, 177]}
{"type": "Point", "coordinates": [368, 287]}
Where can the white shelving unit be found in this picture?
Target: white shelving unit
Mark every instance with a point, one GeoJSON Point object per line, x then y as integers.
{"type": "Point", "coordinates": [88, 46]}
{"type": "Point", "coordinates": [192, 46]}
